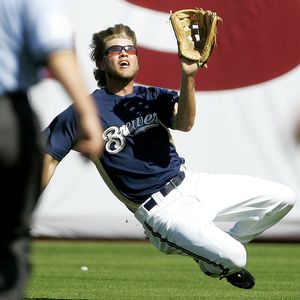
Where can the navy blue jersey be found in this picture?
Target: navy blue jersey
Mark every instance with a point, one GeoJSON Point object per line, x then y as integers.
{"type": "Point", "coordinates": [139, 156]}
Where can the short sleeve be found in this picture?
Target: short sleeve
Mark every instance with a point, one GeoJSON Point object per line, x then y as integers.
{"type": "Point", "coordinates": [61, 134]}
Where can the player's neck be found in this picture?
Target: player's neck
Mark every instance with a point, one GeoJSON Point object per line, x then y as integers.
{"type": "Point", "coordinates": [120, 88]}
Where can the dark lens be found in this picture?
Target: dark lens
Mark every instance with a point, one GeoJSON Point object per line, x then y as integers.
{"type": "Point", "coordinates": [130, 50]}
{"type": "Point", "coordinates": [114, 50]}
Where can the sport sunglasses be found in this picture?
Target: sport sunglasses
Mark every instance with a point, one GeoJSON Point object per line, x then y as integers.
{"type": "Point", "coordinates": [117, 49]}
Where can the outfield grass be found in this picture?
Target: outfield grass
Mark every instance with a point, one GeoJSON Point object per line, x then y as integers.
{"type": "Point", "coordinates": [121, 270]}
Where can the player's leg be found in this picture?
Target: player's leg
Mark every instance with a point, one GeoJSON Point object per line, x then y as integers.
{"type": "Point", "coordinates": [182, 224]}
{"type": "Point", "coordinates": [249, 204]}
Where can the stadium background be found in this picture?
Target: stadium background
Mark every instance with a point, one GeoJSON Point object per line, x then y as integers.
{"type": "Point", "coordinates": [248, 107]}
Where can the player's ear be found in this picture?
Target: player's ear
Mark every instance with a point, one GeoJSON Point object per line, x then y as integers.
{"type": "Point", "coordinates": [101, 64]}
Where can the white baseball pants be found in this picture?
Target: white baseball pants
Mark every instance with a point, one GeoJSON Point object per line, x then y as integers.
{"type": "Point", "coordinates": [183, 222]}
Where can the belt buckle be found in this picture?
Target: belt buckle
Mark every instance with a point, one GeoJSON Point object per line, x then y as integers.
{"type": "Point", "coordinates": [173, 183]}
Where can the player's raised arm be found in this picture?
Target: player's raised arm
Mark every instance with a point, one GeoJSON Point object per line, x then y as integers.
{"type": "Point", "coordinates": [185, 110]}
{"type": "Point", "coordinates": [195, 31]}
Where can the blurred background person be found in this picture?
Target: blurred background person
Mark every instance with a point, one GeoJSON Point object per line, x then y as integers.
{"type": "Point", "coordinates": [33, 34]}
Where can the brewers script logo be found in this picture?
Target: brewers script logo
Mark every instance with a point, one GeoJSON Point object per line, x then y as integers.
{"type": "Point", "coordinates": [115, 137]}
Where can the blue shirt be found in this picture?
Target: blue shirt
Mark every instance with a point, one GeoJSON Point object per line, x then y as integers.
{"type": "Point", "coordinates": [139, 156]}
{"type": "Point", "coordinates": [30, 30]}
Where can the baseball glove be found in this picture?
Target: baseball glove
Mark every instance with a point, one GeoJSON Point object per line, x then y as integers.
{"type": "Point", "coordinates": [196, 33]}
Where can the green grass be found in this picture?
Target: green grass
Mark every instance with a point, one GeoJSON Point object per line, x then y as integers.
{"type": "Point", "coordinates": [122, 270]}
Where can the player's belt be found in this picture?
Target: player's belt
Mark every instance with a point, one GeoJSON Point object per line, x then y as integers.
{"type": "Point", "coordinates": [166, 189]}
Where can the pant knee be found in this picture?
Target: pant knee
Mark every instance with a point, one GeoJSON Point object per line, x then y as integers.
{"type": "Point", "coordinates": [286, 198]}
{"type": "Point", "coordinates": [232, 262]}
{"type": "Point", "coordinates": [237, 258]}
{"type": "Point", "coordinates": [290, 198]}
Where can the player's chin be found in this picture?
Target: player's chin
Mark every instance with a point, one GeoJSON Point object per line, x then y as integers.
{"type": "Point", "coordinates": [123, 74]}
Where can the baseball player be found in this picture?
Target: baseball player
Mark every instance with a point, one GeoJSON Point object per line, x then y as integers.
{"type": "Point", "coordinates": [34, 34]}
{"type": "Point", "coordinates": [177, 207]}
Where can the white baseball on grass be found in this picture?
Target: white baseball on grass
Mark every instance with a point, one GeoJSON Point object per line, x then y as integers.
{"type": "Point", "coordinates": [84, 268]}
